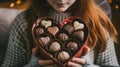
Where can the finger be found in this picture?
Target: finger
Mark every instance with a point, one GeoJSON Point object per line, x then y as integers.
{"type": "Point", "coordinates": [72, 64]}
{"type": "Point", "coordinates": [78, 60]}
{"type": "Point", "coordinates": [86, 49]}
{"type": "Point", "coordinates": [34, 50]}
{"type": "Point", "coordinates": [45, 62]}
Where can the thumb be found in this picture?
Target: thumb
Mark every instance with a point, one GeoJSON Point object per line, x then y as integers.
{"type": "Point", "coordinates": [86, 49]}
{"type": "Point", "coordinates": [35, 50]}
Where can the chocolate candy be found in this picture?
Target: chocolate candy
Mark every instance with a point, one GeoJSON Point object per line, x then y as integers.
{"type": "Point", "coordinates": [73, 46]}
{"type": "Point", "coordinates": [54, 47]}
{"type": "Point", "coordinates": [39, 31]}
{"type": "Point", "coordinates": [63, 56]}
{"type": "Point", "coordinates": [79, 35]}
{"type": "Point", "coordinates": [69, 28]}
{"type": "Point", "coordinates": [78, 25]}
{"type": "Point", "coordinates": [53, 30]}
{"type": "Point", "coordinates": [44, 41]}
{"type": "Point", "coordinates": [46, 23]}
{"type": "Point", "coordinates": [63, 36]}
{"type": "Point", "coordinates": [60, 41]}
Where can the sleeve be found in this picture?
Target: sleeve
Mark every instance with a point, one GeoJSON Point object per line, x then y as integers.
{"type": "Point", "coordinates": [90, 59]}
{"type": "Point", "coordinates": [105, 6]}
{"type": "Point", "coordinates": [105, 59]}
{"type": "Point", "coordinates": [16, 55]}
{"type": "Point", "coordinates": [108, 57]}
{"type": "Point", "coordinates": [33, 62]}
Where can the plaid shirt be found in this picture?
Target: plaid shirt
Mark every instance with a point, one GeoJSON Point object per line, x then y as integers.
{"type": "Point", "coordinates": [19, 44]}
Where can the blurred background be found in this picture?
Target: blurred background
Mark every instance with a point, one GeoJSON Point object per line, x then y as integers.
{"type": "Point", "coordinates": [115, 6]}
{"type": "Point", "coordinates": [10, 8]}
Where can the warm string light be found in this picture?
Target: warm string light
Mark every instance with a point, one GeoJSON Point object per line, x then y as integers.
{"type": "Point", "coordinates": [18, 2]}
{"type": "Point", "coordinates": [13, 4]}
{"type": "Point", "coordinates": [110, 1]}
{"type": "Point", "coordinates": [116, 6]}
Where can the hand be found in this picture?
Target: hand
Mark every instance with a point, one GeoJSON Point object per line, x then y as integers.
{"type": "Point", "coordinates": [46, 63]}
{"type": "Point", "coordinates": [41, 62]}
{"type": "Point", "coordinates": [76, 62]}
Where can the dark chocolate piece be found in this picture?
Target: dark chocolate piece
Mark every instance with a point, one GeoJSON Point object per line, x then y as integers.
{"type": "Point", "coordinates": [73, 46]}
{"type": "Point", "coordinates": [39, 31]}
{"type": "Point", "coordinates": [79, 35]}
{"type": "Point", "coordinates": [63, 36]}
{"type": "Point", "coordinates": [69, 28]}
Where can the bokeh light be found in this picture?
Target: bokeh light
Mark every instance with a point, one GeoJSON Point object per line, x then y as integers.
{"type": "Point", "coordinates": [12, 5]}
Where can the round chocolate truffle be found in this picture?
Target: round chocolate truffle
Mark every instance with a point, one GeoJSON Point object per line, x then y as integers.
{"type": "Point", "coordinates": [63, 56]}
{"type": "Point", "coordinates": [54, 47]}
{"type": "Point", "coordinates": [63, 36]}
{"type": "Point", "coordinates": [43, 41]}
{"type": "Point", "coordinates": [39, 31]}
{"type": "Point", "coordinates": [73, 46]}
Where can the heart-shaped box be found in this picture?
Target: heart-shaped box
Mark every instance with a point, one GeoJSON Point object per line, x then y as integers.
{"type": "Point", "coordinates": [60, 42]}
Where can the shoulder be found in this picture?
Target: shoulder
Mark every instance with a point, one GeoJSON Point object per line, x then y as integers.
{"type": "Point", "coordinates": [20, 21]}
{"type": "Point", "coordinates": [20, 17]}
{"type": "Point", "coordinates": [104, 4]}
{"type": "Point", "coordinates": [101, 1]}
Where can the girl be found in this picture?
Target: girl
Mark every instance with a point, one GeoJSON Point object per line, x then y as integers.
{"type": "Point", "coordinates": [101, 37]}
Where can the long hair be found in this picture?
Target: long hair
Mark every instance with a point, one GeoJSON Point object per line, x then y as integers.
{"type": "Point", "coordinates": [96, 20]}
